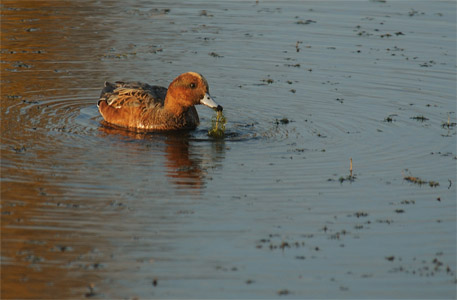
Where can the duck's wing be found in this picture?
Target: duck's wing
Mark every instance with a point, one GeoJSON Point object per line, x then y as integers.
{"type": "Point", "coordinates": [133, 94]}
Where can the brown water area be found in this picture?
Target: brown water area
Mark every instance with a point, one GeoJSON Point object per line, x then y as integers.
{"type": "Point", "coordinates": [336, 177]}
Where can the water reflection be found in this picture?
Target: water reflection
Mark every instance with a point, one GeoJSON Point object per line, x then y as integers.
{"type": "Point", "coordinates": [187, 158]}
{"type": "Point", "coordinates": [49, 51]}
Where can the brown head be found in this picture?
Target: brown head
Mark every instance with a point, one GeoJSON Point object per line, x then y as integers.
{"type": "Point", "coordinates": [187, 90]}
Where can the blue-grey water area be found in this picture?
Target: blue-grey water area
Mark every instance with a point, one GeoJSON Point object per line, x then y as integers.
{"type": "Point", "coordinates": [272, 210]}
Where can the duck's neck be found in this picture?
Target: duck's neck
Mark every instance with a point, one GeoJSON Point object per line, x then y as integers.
{"type": "Point", "coordinates": [172, 106]}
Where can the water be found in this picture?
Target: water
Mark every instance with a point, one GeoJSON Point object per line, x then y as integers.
{"type": "Point", "coordinates": [271, 211]}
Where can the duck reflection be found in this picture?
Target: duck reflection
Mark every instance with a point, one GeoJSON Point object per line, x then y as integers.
{"type": "Point", "coordinates": [187, 157]}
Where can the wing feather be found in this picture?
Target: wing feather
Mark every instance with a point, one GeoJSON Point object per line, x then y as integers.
{"type": "Point", "coordinates": [133, 94]}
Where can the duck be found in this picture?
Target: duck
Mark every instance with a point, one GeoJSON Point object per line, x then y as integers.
{"type": "Point", "coordinates": [144, 107]}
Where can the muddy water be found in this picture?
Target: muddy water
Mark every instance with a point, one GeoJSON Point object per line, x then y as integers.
{"type": "Point", "coordinates": [271, 211]}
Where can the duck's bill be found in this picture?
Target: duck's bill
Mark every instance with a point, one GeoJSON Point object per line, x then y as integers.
{"type": "Point", "coordinates": [208, 101]}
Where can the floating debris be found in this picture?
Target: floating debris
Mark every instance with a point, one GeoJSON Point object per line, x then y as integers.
{"type": "Point", "coordinates": [282, 121]}
{"type": "Point", "coordinates": [351, 178]}
{"type": "Point", "coordinates": [13, 96]}
{"type": "Point", "coordinates": [390, 258]}
{"type": "Point", "coordinates": [297, 48]}
{"type": "Point", "coordinates": [360, 214]}
{"type": "Point", "coordinates": [419, 181]}
{"type": "Point", "coordinates": [448, 124]}
{"type": "Point", "coordinates": [420, 118]}
{"type": "Point", "coordinates": [214, 54]}
{"type": "Point", "coordinates": [123, 55]}
{"type": "Point", "coordinates": [204, 13]}
{"type": "Point", "coordinates": [414, 12]}
{"type": "Point", "coordinates": [389, 118]}
{"type": "Point", "coordinates": [292, 65]}
{"type": "Point", "coordinates": [91, 292]}
{"type": "Point", "coordinates": [385, 35]}
{"type": "Point", "coordinates": [19, 149]}
{"type": "Point", "coordinates": [283, 292]}
{"type": "Point", "coordinates": [433, 183]}
{"type": "Point", "coordinates": [306, 22]}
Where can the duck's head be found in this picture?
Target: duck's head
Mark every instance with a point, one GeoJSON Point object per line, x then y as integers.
{"type": "Point", "coordinates": [189, 89]}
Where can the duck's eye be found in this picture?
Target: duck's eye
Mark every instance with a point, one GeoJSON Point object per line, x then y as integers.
{"type": "Point", "coordinates": [192, 85]}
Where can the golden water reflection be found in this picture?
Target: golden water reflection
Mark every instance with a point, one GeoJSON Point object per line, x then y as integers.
{"type": "Point", "coordinates": [43, 45]}
{"type": "Point", "coordinates": [64, 202]}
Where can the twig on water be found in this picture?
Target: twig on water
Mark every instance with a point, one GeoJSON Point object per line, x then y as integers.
{"type": "Point", "coordinates": [350, 177]}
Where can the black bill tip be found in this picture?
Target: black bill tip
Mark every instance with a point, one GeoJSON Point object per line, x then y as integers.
{"type": "Point", "coordinates": [219, 108]}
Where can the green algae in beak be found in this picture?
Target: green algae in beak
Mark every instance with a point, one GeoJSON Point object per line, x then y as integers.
{"type": "Point", "coordinates": [217, 125]}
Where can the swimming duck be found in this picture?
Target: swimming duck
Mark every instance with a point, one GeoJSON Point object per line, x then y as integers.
{"type": "Point", "coordinates": [137, 105]}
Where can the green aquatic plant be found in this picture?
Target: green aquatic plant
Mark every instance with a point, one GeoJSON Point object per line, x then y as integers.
{"type": "Point", "coordinates": [218, 122]}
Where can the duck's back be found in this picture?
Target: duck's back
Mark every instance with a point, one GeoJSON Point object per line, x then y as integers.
{"type": "Point", "coordinates": [122, 94]}
{"type": "Point", "coordinates": [141, 106]}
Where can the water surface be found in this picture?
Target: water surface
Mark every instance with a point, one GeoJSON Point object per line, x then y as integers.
{"type": "Point", "coordinates": [272, 210]}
